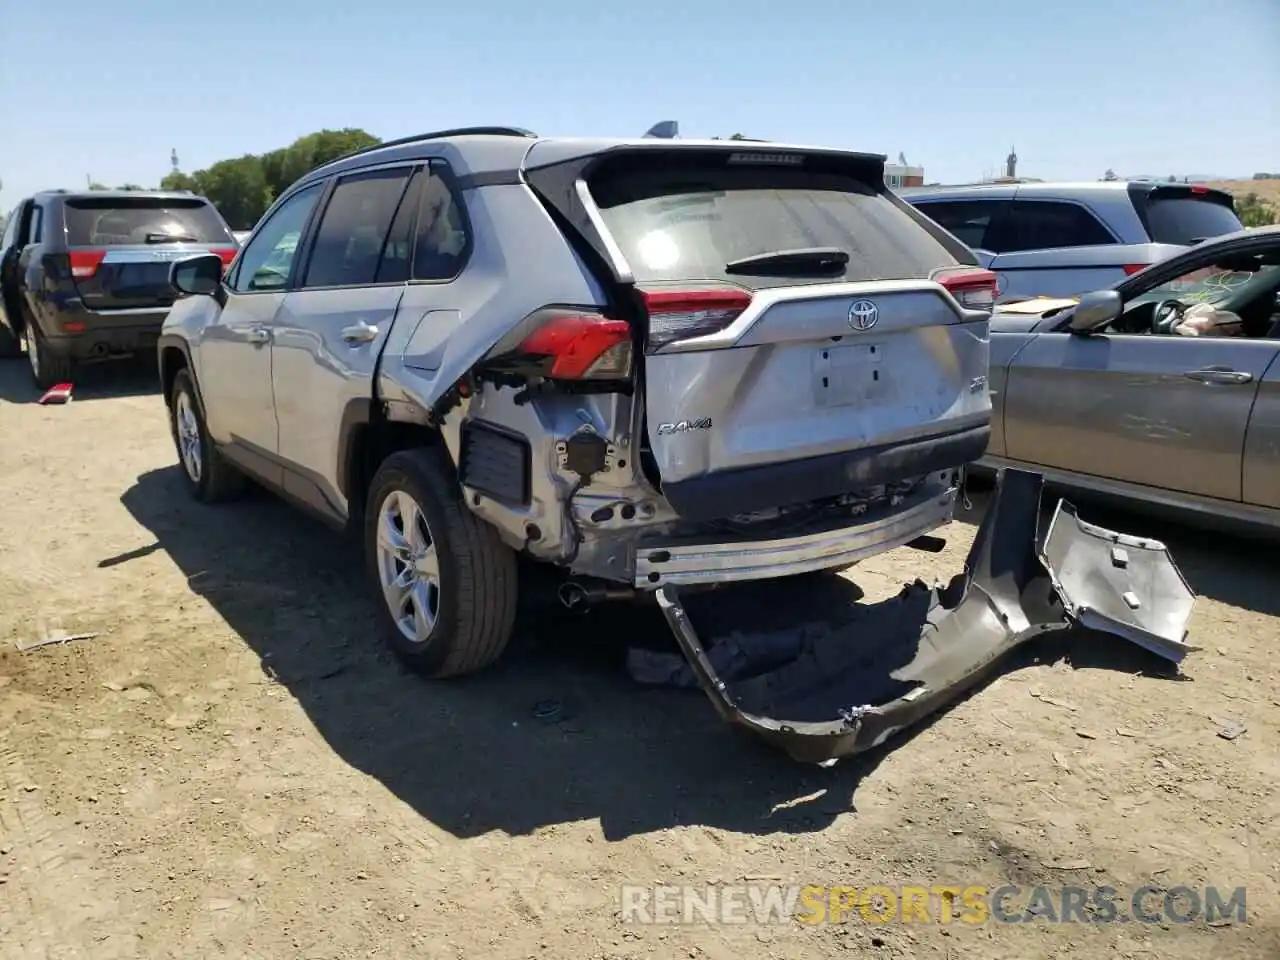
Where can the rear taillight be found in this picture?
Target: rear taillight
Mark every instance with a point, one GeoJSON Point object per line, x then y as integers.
{"type": "Point", "coordinates": [227, 254]}
{"type": "Point", "coordinates": [683, 314]}
{"type": "Point", "coordinates": [974, 289]}
{"type": "Point", "coordinates": [578, 345]}
{"type": "Point", "coordinates": [85, 263]}
{"type": "Point", "coordinates": [1131, 268]}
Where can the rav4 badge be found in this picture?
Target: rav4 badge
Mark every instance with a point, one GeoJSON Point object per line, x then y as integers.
{"type": "Point", "coordinates": [666, 429]}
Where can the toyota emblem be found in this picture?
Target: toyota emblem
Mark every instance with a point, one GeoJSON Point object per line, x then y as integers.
{"type": "Point", "coordinates": [863, 315]}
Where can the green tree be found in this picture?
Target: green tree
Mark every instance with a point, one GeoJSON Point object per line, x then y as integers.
{"type": "Point", "coordinates": [238, 188]}
{"type": "Point", "coordinates": [242, 188]}
{"type": "Point", "coordinates": [283, 167]}
{"type": "Point", "coordinates": [179, 181]}
{"type": "Point", "coordinates": [1253, 211]}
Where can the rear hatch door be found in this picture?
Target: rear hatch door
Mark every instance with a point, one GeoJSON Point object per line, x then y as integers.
{"type": "Point", "coordinates": [120, 247]}
{"type": "Point", "coordinates": [796, 346]}
{"type": "Point", "coordinates": [1184, 214]}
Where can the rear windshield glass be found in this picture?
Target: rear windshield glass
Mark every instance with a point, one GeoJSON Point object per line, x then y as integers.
{"type": "Point", "coordinates": [688, 224]}
{"type": "Point", "coordinates": [1187, 220]}
{"type": "Point", "coordinates": [102, 221]}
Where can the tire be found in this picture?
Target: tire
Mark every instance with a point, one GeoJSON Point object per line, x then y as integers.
{"type": "Point", "coordinates": [474, 590]}
{"type": "Point", "coordinates": [48, 369]}
{"type": "Point", "coordinates": [211, 479]}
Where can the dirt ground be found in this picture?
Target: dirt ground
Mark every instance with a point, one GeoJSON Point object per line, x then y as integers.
{"type": "Point", "coordinates": [232, 767]}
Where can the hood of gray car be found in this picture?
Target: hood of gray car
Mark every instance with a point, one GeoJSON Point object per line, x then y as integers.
{"type": "Point", "coordinates": [1015, 323]}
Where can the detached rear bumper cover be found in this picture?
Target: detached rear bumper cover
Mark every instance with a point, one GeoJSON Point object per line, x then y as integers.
{"type": "Point", "coordinates": [847, 689]}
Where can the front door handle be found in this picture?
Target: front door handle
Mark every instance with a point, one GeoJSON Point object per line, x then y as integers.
{"type": "Point", "coordinates": [259, 335]}
{"type": "Point", "coordinates": [1220, 375]}
{"type": "Point", "coordinates": [361, 332]}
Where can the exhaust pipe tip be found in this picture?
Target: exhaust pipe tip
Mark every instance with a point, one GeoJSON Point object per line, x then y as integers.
{"type": "Point", "coordinates": [574, 597]}
{"type": "Point", "coordinates": [579, 596]}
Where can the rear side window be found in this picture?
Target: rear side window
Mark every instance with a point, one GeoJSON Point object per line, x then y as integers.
{"type": "Point", "coordinates": [443, 235]}
{"type": "Point", "coordinates": [108, 221]}
{"type": "Point", "coordinates": [354, 228]}
{"type": "Point", "coordinates": [688, 224]}
{"type": "Point", "coordinates": [1188, 220]}
{"type": "Point", "coordinates": [968, 220]}
{"type": "Point", "coordinates": [1047, 225]}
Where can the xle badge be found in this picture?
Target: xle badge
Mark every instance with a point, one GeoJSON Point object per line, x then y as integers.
{"type": "Point", "coordinates": [666, 429]}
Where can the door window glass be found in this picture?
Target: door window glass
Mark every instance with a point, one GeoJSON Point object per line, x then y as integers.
{"type": "Point", "coordinates": [354, 228]}
{"type": "Point", "coordinates": [1049, 225]}
{"type": "Point", "coordinates": [968, 220]}
{"type": "Point", "coordinates": [397, 253]}
{"type": "Point", "coordinates": [10, 229]}
{"type": "Point", "coordinates": [267, 259]}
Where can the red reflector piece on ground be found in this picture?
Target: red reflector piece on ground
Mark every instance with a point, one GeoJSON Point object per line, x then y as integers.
{"type": "Point", "coordinates": [59, 393]}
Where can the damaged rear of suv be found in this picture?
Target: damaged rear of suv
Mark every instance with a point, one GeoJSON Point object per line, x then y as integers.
{"type": "Point", "coordinates": [782, 371]}
{"type": "Point", "coordinates": [658, 365]}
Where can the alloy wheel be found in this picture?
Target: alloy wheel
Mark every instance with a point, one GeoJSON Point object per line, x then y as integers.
{"type": "Point", "coordinates": [408, 566]}
{"type": "Point", "coordinates": [188, 429]}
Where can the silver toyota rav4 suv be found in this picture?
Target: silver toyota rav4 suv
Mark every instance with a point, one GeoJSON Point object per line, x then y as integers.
{"type": "Point", "coordinates": [1065, 239]}
{"type": "Point", "coordinates": [655, 363]}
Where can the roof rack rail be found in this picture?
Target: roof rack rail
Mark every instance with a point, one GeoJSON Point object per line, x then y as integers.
{"type": "Point", "coordinates": [440, 135]}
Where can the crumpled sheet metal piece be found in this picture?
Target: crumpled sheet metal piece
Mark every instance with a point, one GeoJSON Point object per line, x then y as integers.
{"type": "Point", "coordinates": [825, 689]}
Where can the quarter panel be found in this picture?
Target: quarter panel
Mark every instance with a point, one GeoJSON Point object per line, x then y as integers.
{"type": "Point", "coordinates": [520, 262]}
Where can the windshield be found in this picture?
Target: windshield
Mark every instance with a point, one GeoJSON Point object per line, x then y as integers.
{"type": "Point", "coordinates": [1207, 285]}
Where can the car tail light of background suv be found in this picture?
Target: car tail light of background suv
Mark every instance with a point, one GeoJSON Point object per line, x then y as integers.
{"type": "Point", "coordinates": [84, 264]}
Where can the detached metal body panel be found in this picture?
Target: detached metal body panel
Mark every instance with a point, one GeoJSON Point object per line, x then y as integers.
{"type": "Point", "coordinates": [844, 688]}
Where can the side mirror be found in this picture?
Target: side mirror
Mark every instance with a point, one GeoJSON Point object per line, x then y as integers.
{"type": "Point", "coordinates": [1096, 310]}
{"type": "Point", "coordinates": [200, 275]}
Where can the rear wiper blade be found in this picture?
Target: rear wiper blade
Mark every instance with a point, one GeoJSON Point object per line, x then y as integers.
{"type": "Point", "coordinates": [803, 260]}
{"type": "Point", "coordinates": [170, 238]}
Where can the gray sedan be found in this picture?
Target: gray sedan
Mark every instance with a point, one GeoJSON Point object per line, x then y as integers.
{"type": "Point", "coordinates": [1094, 397]}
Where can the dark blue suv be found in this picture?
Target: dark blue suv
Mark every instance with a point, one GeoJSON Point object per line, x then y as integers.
{"type": "Point", "coordinates": [85, 276]}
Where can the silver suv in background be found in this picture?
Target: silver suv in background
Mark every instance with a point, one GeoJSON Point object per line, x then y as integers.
{"type": "Point", "coordinates": [1064, 239]}
{"type": "Point", "coordinates": [653, 363]}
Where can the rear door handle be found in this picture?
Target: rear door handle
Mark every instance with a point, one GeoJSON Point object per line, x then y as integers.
{"type": "Point", "coordinates": [1221, 375]}
{"type": "Point", "coordinates": [361, 332]}
{"type": "Point", "coordinates": [259, 335]}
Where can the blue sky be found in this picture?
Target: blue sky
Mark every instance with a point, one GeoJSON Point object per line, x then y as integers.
{"type": "Point", "coordinates": [1140, 86]}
